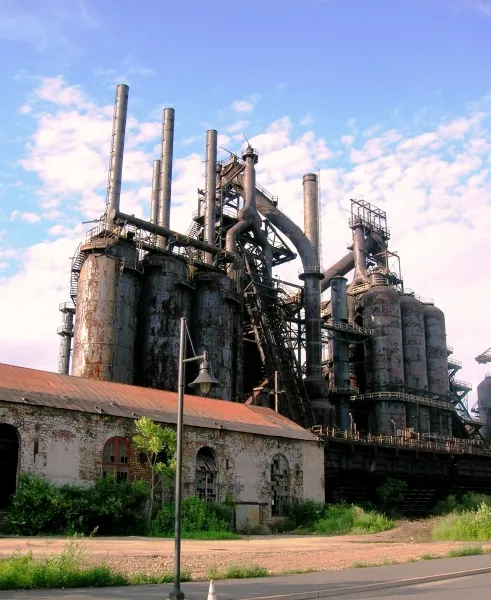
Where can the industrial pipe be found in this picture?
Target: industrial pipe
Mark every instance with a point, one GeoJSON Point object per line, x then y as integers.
{"type": "Point", "coordinates": [166, 170]}
{"type": "Point", "coordinates": [346, 264]}
{"type": "Point", "coordinates": [340, 347]}
{"type": "Point", "coordinates": [66, 333]}
{"type": "Point", "coordinates": [154, 203]}
{"type": "Point", "coordinates": [314, 380]}
{"type": "Point", "coordinates": [117, 151]}
{"type": "Point", "coordinates": [311, 210]}
{"type": "Point", "coordinates": [248, 216]}
{"type": "Point", "coordinates": [210, 190]}
{"type": "Point", "coordinates": [359, 255]}
{"type": "Point", "coordinates": [177, 238]}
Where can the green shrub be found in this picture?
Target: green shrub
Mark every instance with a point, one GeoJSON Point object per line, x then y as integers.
{"type": "Point", "coordinates": [236, 572]}
{"type": "Point", "coordinates": [40, 507]}
{"type": "Point", "coordinates": [341, 519]}
{"type": "Point", "coordinates": [305, 513]}
{"type": "Point", "coordinates": [197, 516]}
{"type": "Point", "coordinates": [459, 505]}
{"type": "Point", "coordinates": [469, 526]}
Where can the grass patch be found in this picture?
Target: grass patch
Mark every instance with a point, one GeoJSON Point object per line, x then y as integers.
{"type": "Point", "coordinates": [465, 551]}
{"type": "Point", "coordinates": [340, 519]}
{"type": "Point", "coordinates": [236, 572]}
{"type": "Point", "coordinates": [469, 526]}
{"type": "Point", "coordinates": [155, 578]}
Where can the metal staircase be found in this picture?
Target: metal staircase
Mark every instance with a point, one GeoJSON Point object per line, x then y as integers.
{"type": "Point", "coordinates": [77, 263]}
{"type": "Point", "coordinates": [267, 317]}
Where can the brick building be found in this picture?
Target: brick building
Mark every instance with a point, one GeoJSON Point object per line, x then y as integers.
{"type": "Point", "coordinates": [74, 430]}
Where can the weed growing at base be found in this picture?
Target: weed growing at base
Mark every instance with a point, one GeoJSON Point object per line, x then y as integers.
{"type": "Point", "coordinates": [340, 519]}
{"type": "Point", "coordinates": [236, 572]}
{"type": "Point", "coordinates": [69, 570]}
{"type": "Point", "coordinates": [469, 526]}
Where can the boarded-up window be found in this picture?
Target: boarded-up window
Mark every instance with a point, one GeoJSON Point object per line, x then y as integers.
{"type": "Point", "coordinates": [280, 486]}
{"type": "Point", "coordinates": [116, 459]}
{"type": "Point", "coordinates": [206, 475]}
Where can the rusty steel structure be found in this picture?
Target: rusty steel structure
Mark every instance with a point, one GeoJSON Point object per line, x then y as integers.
{"type": "Point", "coordinates": [372, 359]}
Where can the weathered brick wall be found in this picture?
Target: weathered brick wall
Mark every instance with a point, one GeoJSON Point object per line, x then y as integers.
{"type": "Point", "coordinates": [67, 446]}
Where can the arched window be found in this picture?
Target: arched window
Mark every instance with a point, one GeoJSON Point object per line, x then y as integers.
{"type": "Point", "coordinates": [280, 485]}
{"type": "Point", "coordinates": [206, 475]}
{"type": "Point", "coordinates": [116, 459]}
{"type": "Point", "coordinates": [9, 457]}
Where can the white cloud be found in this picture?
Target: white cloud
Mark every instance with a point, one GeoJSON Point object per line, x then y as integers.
{"type": "Point", "coordinates": [347, 140]}
{"type": "Point", "coordinates": [240, 126]}
{"type": "Point", "coordinates": [30, 217]}
{"type": "Point", "coordinates": [307, 120]}
{"type": "Point", "coordinates": [25, 109]}
{"type": "Point", "coordinates": [246, 105]}
{"type": "Point", "coordinates": [54, 90]}
{"type": "Point", "coordinates": [129, 69]}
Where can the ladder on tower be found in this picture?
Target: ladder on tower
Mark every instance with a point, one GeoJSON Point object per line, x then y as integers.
{"type": "Point", "coordinates": [271, 332]}
{"type": "Point", "coordinates": [77, 263]}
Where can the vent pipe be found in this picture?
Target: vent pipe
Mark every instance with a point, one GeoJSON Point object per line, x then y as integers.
{"type": "Point", "coordinates": [117, 151]}
{"type": "Point", "coordinates": [154, 201]}
{"type": "Point", "coordinates": [248, 216]}
{"type": "Point", "coordinates": [311, 210]}
{"type": "Point", "coordinates": [210, 190]}
{"type": "Point", "coordinates": [166, 171]}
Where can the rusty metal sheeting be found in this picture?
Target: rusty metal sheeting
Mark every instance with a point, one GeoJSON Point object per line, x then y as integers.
{"type": "Point", "coordinates": [436, 350]}
{"type": "Point", "coordinates": [31, 387]}
{"type": "Point", "coordinates": [385, 364]}
{"type": "Point", "coordinates": [414, 345]}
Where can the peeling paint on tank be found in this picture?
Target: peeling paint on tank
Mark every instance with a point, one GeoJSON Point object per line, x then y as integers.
{"type": "Point", "coordinates": [382, 314]}
{"type": "Point", "coordinates": [213, 327]}
{"type": "Point", "coordinates": [105, 324]}
{"type": "Point", "coordinates": [436, 350]}
{"type": "Point", "coordinates": [166, 297]}
{"type": "Point", "coordinates": [414, 345]}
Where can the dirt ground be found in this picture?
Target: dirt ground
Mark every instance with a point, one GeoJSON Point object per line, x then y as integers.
{"type": "Point", "coordinates": [278, 554]}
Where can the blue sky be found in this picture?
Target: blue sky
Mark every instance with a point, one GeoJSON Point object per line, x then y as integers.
{"type": "Point", "coordinates": [389, 99]}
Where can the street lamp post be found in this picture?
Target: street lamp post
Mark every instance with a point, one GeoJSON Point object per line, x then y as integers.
{"type": "Point", "coordinates": [205, 381]}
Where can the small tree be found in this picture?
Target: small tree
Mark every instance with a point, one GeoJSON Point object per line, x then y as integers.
{"type": "Point", "coordinates": [159, 446]}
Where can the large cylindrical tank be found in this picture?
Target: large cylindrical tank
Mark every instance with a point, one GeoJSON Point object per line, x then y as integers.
{"type": "Point", "coordinates": [106, 312]}
{"type": "Point", "coordinates": [166, 297]}
{"type": "Point", "coordinates": [413, 345]}
{"type": "Point", "coordinates": [213, 328]}
{"type": "Point", "coordinates": [436, 350]}
{"type": "Point", "coordinates": [385, 364]}
{"type": "Point", "coordinates": [484, 404]}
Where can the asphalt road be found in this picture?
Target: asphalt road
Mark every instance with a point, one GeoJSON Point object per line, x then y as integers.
{"type": "Point", "coordinates": [477, 588]}
{"type": "Point", "coordinates": [291, 584]}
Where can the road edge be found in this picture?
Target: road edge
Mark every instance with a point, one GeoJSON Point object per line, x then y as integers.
{"type": "Point", "coordinates": [368, 587]}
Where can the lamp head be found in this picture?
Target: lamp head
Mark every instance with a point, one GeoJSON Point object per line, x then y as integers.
{"type": "Point", "coordinates": [205, 379]}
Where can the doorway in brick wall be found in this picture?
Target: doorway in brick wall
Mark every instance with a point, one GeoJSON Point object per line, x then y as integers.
{"type": "Point", "coordinates": [9, 458]}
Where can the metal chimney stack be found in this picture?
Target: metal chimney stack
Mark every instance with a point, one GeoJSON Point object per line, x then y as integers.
{"type": "Point", "coordinates": [311, 210]}
{"type": "Point", "coordinates": [166, 171]}
{"type": "Point", "coordinates": [66, 333]}
{"type": "Point", "coordinates": [117, 151]}
{"type": "Point", "coordinates": [154, 201]}
{"type": "Point", "coordinates": [211, 191]}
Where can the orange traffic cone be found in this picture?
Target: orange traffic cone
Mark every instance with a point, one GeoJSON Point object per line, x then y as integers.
{"type": "Point", "coordinates": [211, 592]}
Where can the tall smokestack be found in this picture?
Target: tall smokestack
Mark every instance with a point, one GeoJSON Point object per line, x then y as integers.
{"type": "Point", "coordinates": [154, 200]}
{"type": "Point", "coordinates": [66, 333]}
{"type": "Point", "coordinates": [117, 150]}
{"type": "Point", "coordinates": [166, 170]}
{"type": "Point", "coordinates": [211, 191]}
{"type": "Point", "coordinates": [311, 210]}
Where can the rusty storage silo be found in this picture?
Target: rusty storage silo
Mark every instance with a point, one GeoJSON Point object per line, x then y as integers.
{"type": "Point", "coordinates": [436, 350]}
{"type": "Point", "coordinates": [166, 297]}
{"type": "Point", "coordinates": [106, 317]}
{"type": "Point", "coordinates": [484, 404]}
{"type": "Point", "coordinates": [384, 364]}
{"type": "Point", "coordinates": [390, 416]}
{"type": "Point", "coordinates": [214, 303]}
{"type": "Point", "coordinates": [413, 345]}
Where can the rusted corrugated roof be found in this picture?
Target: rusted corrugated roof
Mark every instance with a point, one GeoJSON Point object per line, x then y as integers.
{"type": "Point", "coordinates": [32, 387]}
